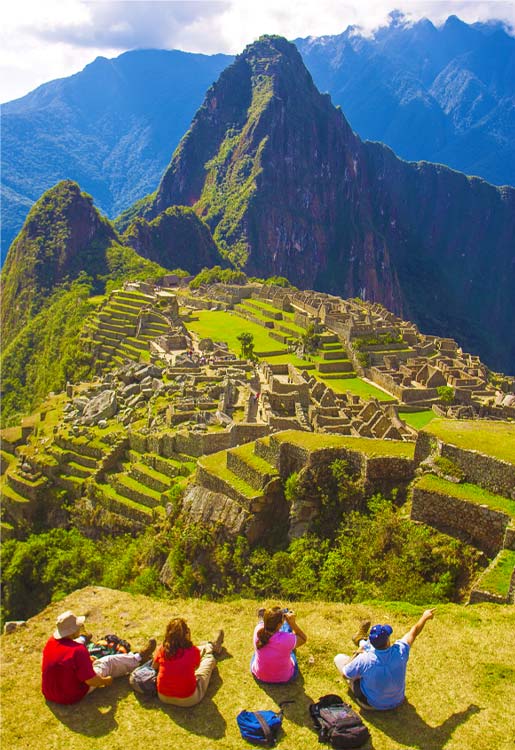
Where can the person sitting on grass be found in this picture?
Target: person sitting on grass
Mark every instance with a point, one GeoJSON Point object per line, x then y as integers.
{"type": "Point", "coordinates": [68, 672]}
{"type": "Point", "coordinates": [184, 670]}
{"type": "Point", "coordinates": [377, 672]}
{"type": "Point", "coordinates": [275, 637]}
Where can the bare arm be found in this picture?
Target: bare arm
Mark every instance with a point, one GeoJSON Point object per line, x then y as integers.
{"type": "Point", "coordinates": [410, 636]}
{"type": "Point", "coordinates": [98, 681]}
{"type": "Point", "coordinates": [301, 636]}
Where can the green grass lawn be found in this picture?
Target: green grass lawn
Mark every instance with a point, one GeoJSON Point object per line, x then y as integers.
{"type": "Point", "coordinates": [497, 578]}
{"type": "Point", "coordinates": [493, 438]}
{"type": "Point", "coordinates": [460, 684]}
{"type": "Point", "coordinates": [417, 419]}
{"type": "Point", "coordinates": [359, 387]}
{"type": "Point", "coordinates": [223, 326]}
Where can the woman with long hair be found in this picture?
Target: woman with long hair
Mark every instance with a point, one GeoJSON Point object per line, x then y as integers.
{"type": "Point", "coordinates": [184, 670]}
{"type": "Point", "coordinates": [276, 637]}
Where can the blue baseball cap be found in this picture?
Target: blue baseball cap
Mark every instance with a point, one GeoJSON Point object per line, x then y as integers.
{"type": "Point", "coordinates": [379, 635]}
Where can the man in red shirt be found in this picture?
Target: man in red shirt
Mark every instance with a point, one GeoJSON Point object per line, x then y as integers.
{"type": "Point", "coordinates": [68, 673]}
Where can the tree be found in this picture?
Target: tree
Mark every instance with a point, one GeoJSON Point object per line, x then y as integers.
{"type": "Point", "coordinates": [246, 340]}
{"type": "Point", "coordinates": [310, 340]}
{"type": "Point", "coordinates": [446, 394]}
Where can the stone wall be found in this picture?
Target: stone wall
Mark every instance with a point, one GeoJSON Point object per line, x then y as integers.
{"type": "Point", "coordinates": [490, 473]}
{"type": "Point", "coordinates": [484, 527]}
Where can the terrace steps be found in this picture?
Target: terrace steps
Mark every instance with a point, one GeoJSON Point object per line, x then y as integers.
{"type": "Point", "coordinates": [134, 490]}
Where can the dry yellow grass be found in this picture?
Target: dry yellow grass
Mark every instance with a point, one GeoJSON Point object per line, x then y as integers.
{"type": "Point", "coordinates": [460, 690]}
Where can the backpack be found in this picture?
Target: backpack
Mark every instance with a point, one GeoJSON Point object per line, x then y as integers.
{"type": "Point", "coordinates": [107, 646]}
{"type": "Point", "coordinates": [337, 723]}
{"type": "Point", "coordinates": [260, 727]}
{"type": "Point", "coordinates": [143, 679]}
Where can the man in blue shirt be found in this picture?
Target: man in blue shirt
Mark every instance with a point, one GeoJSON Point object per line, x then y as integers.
{"type": "Point", "coordinates": [377, 673]}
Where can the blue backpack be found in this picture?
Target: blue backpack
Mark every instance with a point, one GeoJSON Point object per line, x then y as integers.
{"type": "Point", "coordinates": [260, 727]}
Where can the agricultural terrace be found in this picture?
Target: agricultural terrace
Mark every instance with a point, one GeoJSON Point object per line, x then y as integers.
{"type": "Point", "coordinates": [495, 439]}
{"type": "Point", "coordinates": [368, 446]}
{"type": "Point", "coordinates": [469, 492]}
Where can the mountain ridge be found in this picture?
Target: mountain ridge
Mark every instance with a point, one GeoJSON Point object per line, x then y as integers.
{"type": "Point", "coordinates": [463, 121]}
{"type": "Point", "coordinates": [341, 215]}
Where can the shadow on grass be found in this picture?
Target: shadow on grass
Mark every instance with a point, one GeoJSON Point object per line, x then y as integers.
{"type": "Point", "coordinates": [292, 691]}
{"type": "Point", "coordinates": [94, 715]}
{"type": "Point", "coordinates": [404, 725]}
{"type": "Point", "coordinates": [203, 719]}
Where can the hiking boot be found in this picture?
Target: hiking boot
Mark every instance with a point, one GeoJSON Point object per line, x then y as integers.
{"type": "Point", "coordinates": [260, 613]}
{"type": "Point", "coordinates": [217, 643]}
{"type": "Point", "coordinates": [362, 632]}
{"type": "Point", "coordinates": [149, 649]}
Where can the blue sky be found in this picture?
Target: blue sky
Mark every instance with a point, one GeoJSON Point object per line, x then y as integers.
{"type": "Point", "coordinates": [41, 40]}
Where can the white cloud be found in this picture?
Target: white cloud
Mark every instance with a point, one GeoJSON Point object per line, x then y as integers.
{"type": "Point", "coordinates": [45, 39]}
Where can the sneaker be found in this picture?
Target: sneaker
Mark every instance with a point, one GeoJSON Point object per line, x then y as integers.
{"type": "Point", "coordinates": [362, 632]}
{"type": "Point", "coordinates": [217, 643]}
{"type": "Point", "coordinates": [149, 649]}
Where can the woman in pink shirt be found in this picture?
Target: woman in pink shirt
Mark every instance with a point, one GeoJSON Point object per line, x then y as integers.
{"type": "Point", "coordinates": [275, 638]}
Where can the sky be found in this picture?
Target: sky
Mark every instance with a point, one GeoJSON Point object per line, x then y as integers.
{"type": "Point", "coordinates": [41, 40]}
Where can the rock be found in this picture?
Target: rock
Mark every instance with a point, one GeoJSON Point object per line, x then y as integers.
{"type": "Point", "coordinates": [130, 390]}
{"type": "Point", "coordinates": [80, 402]}
{"type": "Point", "coordinates": [206, 345]}
{"type": "Point", "coordinates": [13, 625]}
{"type": "Point", "coordinates": [102, 423]}
{"type": "Point", "coordinates": [157, 384]}
{"type": "Point", "coordinates": [102, 406]}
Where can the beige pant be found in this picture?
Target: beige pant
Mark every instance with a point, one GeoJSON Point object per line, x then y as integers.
{"type": "Point", "coordinates": [115, 665]}
{"type": "Point", "coordinates": [203, 675]}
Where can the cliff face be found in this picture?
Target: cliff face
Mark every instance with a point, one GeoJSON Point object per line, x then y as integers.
{"type": "Point", "coordinates": [176, 238]}
{"type": "Point", "coordinates": [288, 189]}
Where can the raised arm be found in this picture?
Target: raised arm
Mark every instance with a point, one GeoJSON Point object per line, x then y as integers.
{"type": "Point", "coordinates": [301, 636]}
{"type": "Point", "coordinates": [410, 636]}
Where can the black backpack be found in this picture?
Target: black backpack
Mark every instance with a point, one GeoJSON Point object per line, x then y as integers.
{"type": "Point", "coordinates": [337, 723]}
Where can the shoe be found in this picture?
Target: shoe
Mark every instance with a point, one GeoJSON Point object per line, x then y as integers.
{"type": "Point", "coordinates": [149, 649]}
{"type": "Point", "coordinates": [217, 643]}
{"type": "Point", "coordinates": [362, 632]}
{"type": "Point", "coordinates": [260, 613]}
{"type": "Point", "coordinates": [87, 638]}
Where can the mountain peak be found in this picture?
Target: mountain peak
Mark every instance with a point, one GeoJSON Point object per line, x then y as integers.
{"type": "Point", "coordinates": [63, 235]}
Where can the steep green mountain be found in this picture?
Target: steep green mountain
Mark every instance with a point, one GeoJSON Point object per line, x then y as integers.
{"type": "Point", "coordinates": [176, 238]}
{"type": "Point", "coordinates": [112, 128]}
{"type": "Point", "coordinates": [63, 237]}
{"type": "Point", "coordinates": [65, 252]}
{"type": "Point", "coordinates": [288, 189]}
{"type": "Point", "coordinates": [445, 94]}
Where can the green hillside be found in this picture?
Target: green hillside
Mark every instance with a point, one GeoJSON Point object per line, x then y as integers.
{"type": "Point", "coordinates": [460, 686]}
